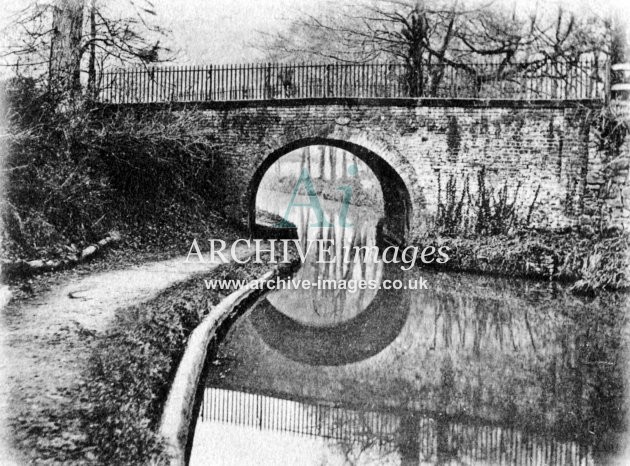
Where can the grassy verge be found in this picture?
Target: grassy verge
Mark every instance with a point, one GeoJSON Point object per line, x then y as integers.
{"type": "Point", "coordinates": [591, 263]}
{"type": "Point", "coordinates": [111, 415]}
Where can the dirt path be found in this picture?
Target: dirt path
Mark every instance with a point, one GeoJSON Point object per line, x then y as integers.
{"type": "Point", "coordinates": [46, 342]}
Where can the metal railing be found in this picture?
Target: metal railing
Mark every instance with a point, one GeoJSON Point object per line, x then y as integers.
{"type": "Point", "coordinates": [583, 79]}
{"type": "Point", "coordinates": [470, 443]}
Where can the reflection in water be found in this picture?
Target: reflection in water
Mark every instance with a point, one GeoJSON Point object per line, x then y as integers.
{"type": "Point", "coordinates": [474, 370]}
{"type": "Point", "coordinates": [354, 339]}
{"type": "Point", "coordinates": [326, 307]}
{"type": "Point", "coordinates": [326, 433]}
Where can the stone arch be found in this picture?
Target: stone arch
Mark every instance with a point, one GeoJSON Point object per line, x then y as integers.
{"type": "Point", "coordinates": [397, 199]}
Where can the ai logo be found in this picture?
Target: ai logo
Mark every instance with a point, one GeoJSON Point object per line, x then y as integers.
{"type": "Point", "coordinates": [313, 202]}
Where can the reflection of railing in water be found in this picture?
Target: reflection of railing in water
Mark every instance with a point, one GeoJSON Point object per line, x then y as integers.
{"type": "Point", "coordinates": [435, 438]}
{"type": "Point", "coordinates": [270, 413]}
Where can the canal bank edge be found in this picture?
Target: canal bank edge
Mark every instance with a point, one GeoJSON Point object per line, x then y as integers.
{"type": "Point", "coordinates": [588, 263]}
{"type": "Point", "coordinates": [178, 410]}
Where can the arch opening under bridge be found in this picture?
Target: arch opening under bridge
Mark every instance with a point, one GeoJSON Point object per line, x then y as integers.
{"type": "Point", "coordinates": [397, 204]}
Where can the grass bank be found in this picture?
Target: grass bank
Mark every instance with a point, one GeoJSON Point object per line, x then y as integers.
{"type": "Point", "coordinates": [111, 414]}
{"type": "Point", "coordinates": [590, 263]}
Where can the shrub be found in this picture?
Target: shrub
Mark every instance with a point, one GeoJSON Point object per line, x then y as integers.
{"type": "Point", "coordinates": [70, 178]}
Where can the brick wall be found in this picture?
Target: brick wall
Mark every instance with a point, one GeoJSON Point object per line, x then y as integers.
{"type": "Point", "coordinates": [547, 148]}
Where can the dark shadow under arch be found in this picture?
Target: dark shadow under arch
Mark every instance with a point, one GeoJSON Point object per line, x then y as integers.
{"type": "Point", "coordinates": [396, 197]}
{"type": "Point", "coordinates": [354, 340]}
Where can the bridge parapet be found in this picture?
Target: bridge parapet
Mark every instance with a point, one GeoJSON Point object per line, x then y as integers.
{"type": "Point", "coordinates": [554, 80]}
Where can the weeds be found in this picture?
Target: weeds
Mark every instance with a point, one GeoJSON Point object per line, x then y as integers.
{"type": "Point", "coordinates": [490, 233]}
{"type": "Point", "coordinates": [489, 212]}
{"type": "Point", "coordinates": [604, 265]}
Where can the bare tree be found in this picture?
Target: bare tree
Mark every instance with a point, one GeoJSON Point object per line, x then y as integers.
{"type": "Point", "coordinates": [52, 40]}
{"type": "Point", "coordinates": [92, 89]}
{"type": "Point", "coordinates": [65, 48]}
{"type": "Point", "coordinates": [309, 161]}
{"type": "Point", "coordinates": [427, 36]}
{"type": "Point", "coordinates": [129, 37]}
{"type": "Point", "coordinates": [305, 159]}
{"type": "Point", "coordinates": [332, 158]}
{"type": "Point", "coordinates": [322, 160]}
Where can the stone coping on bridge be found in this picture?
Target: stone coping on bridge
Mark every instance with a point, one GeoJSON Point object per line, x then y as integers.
{"type": "Point", "coordinates": [359, 101]}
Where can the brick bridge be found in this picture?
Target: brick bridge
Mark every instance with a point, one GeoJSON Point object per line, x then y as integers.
{"type": "Point", "coordinates": [413, 146]}
{"type": "Point", "coordinates": [547, 149]}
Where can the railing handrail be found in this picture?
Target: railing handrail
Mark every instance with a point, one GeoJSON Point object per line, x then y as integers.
{"type": "Point", "coordinates": [547, 79]}
{"type": "Point", "coordinates": [165, 65]}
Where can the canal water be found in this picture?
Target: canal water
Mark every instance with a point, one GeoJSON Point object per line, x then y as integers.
{"type": "Point", "coordinates": [471, 370]}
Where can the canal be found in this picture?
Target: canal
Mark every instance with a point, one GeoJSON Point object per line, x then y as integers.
{"type": "Point", "coordinates": [472, 370]}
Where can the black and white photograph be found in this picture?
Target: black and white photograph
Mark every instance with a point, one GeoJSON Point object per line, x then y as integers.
{"type": "Point", "coordinates": [315, 232]}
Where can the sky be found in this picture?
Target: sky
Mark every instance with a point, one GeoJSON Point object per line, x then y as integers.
{"type": "Point", "coordinates": [225, 31]}
{"type": "Point", "coordinates": [204, 31]}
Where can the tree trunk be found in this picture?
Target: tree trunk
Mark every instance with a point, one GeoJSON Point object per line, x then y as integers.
{"type": "Point", "coordinates": [322, 152]}
{"type": "Point", "coordinates": [65, 51]}
{"type": "Point", "coordinates": [302, 159]}
{"type": "Point", "coordinates": [308, 158]}
{"type": "Point", "coordinates": [92, 91]}
{"type": "Point", "coordinates": [333, 165]}
{"type": "Point", "coordinates": [416, 33]}
{"type": "Point", "coordinates": [619, 42]}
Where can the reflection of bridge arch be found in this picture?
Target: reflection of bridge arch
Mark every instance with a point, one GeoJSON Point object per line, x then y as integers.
{"type": "Point", "coordinates": [353, 340]}
{"type": "Point", "coordinates": [396, 194]}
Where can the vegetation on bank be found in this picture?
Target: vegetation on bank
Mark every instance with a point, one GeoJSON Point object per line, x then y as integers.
{"type": "Point", "coordinates": [133, 366]}
{"type": "Point", "coordinates": [590, 263]}
{"type": "Point", "coordinates": [70, 178]}
{"type": "Point", "coordinates": [111, 416]}
{"type": "Point", "coordinates": [330, 190]}
{"type": "Point", "coordinates": [490, 232]}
